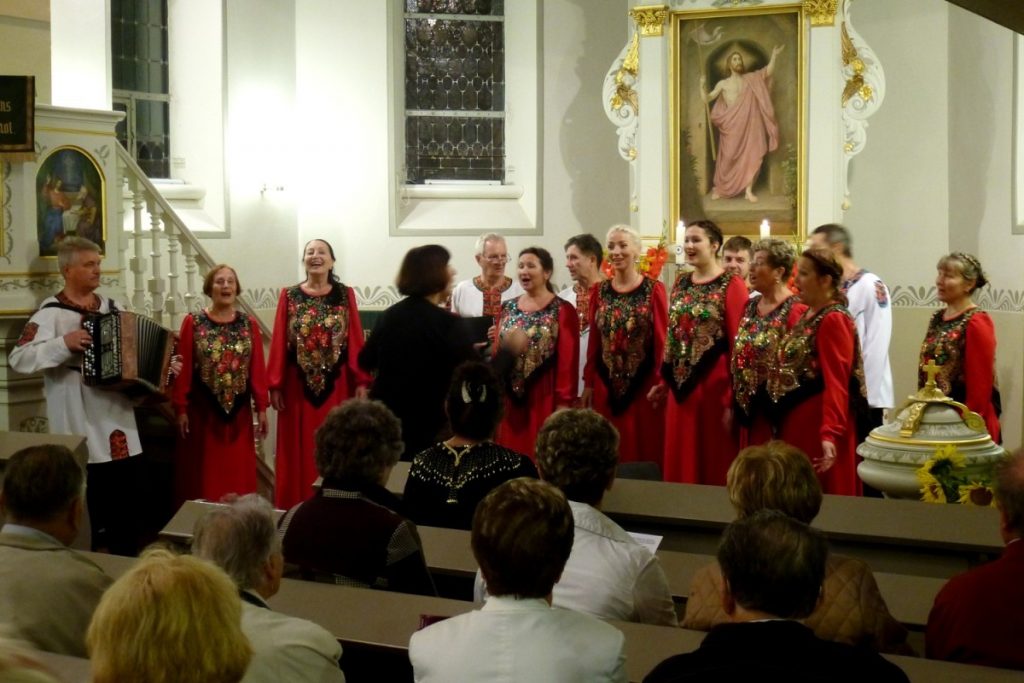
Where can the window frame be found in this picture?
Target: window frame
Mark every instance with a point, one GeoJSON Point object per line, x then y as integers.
{"type": "Point", "coordinates": [468, 208]}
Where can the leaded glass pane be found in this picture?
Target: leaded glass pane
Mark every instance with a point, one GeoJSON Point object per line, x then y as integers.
{"type": "Point", "coordinates": [486, 7]}
{"type": "Point", "coordinates": [454, 65]}
{"type": "Point", "coordinates": [454, 148]}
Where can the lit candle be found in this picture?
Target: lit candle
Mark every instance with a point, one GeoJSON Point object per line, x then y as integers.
{"type": "Point", "coordinates": [680, 238]}
{"type": "Point", "coordinates": [766, 229]}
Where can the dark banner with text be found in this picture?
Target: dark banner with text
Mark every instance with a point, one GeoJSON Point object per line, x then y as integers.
{"type": "Point", "coordinates": [17, 114]}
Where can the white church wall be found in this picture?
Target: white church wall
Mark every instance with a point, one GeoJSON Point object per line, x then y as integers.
{"type": "Point", "coordinates": [935, 176]}
{"type": "Point", "coordinates": [25, 43]}
{"type": "Point", "coordinates": [196, 71]}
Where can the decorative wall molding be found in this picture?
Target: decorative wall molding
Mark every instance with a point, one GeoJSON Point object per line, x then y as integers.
{"type": "Point", "coordinates": [48, 283]}
{"type": "Point", "coordinates": [36, 425]}
{"type": "Point", "coordinates": [821, 12]}
{"type": "Point", "coordinates": [923, 296]}
{"type": "Point", "coordinates": [621, 98]}
{"type": "Point", "coordinates": [862, 95]}
{"type": "Point", "coordinates": [369, 296]}
{"type": "Point", "coordinates": [6, 218]}
{"type": "Point", "coordinates": [650, 19]}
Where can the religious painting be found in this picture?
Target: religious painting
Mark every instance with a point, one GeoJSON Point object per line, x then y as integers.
{"type": "Point", "coordinates": [737, 139]}
{"type": "Point", "coordinates": [70, 200]}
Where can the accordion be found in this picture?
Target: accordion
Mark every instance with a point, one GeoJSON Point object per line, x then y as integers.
{"type": "Point", "coordinates": [128, 351]}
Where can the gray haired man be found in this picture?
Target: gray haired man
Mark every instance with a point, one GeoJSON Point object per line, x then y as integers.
{"type": "Point", "coordinates": [241, 538]}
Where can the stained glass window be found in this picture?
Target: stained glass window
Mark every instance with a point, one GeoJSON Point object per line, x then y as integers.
{"type": "Point", "coordinates": [139, 56]}
{"type": "Point", "coordinates": [454, 90]}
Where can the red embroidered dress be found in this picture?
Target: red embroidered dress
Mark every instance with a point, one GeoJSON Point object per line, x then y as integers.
{"type": "Point", "coordinates": [965, 349]}
{"type": "Point", "coordinates": [817, 385]}
{"type": "Point", "coordinates": [223, 370]}
{"type": "Point", "coordinates": [543, 378]}
{"type": "Point", "coordinates": [703, 319]}
{"type": "Point", "coordinates": [623, 359]}
{"type": "Point", "coordinates": [313, 363]}
{"type": "Point", "coordinates": [753, 355]}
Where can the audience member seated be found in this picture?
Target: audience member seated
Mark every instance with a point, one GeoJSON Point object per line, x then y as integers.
{"type": "Point", "coordinates": [48, 592]}
{"type": "Point", "coordinates": [349, 532]}
{"type": "Point", "coordinates": [777, 476]}
{"type": "Point", "coordinates": [18, 664]}
{"type": "Point", "coordinates": [169, 619]}
{"type": "Point", "coordinates": [447, 480]}
{"type": "Point", "coordinates": [608, 575]}
{"type": "Point", "coordinates": [522, 536]}
{"type": "Point", "coordinates": [242, 540]}
{"type": "Point", "coordinates": [774, 567]}
{"type": "Point", "coordinates": [978, 617]}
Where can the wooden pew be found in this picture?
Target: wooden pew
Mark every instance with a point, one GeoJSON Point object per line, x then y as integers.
{"type": "Point", "coordinates": [448, 554]}
{"type": "Point", "coordinates": [896, 536]}
{"type": "Point", "coordinates": [380, 623]}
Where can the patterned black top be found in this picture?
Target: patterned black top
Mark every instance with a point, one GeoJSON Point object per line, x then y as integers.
{"type": "Point", "coordinates": [446, 483]}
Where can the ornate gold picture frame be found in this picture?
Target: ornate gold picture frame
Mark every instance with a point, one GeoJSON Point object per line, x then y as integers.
{"type": "Point", "coordinates": [737, 131]}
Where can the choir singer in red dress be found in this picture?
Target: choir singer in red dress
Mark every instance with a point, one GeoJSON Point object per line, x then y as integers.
{"type": "Point", "coordinates": [961, 339]}
{"type": "Point", "coordinates": [223, 375]}
{"type": "Point", "coordinates": [766, 319]}
{"type": "Point", "coordinates": [628, 320]}
{"type": "Point", "coordinates": [703, 316]}
{"type": "Point", "coordinates": [817, 381]}
{"type": "Point", "coordinates": [544, 376]}
{"type": "Point", "coordinates": [312, 367]}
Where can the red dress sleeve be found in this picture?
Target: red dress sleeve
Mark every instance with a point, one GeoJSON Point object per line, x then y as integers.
{"type": "Point", "coordinates": [594, 341]}
{"type": "Point", "coordinates": [278, 344]}
{"type": "Point", "coordinates": [834, 343]}
{"type": "Point", "coordinates": [568, 356]}
{"type": "Point", "coordinates": [659, 311]}
{"type": "Point", "coordinates": [979, 369]}
{"type": "Point", "coordinates": [795, 313]}
{"type": "Point", "coordinates": [257, 368]}
{"type": "Point", "coordinates": [359, 377]}
{"type": "Point", "coordinates": [183, 382]}
{"type": "Point", "coordinates": [736, 297]}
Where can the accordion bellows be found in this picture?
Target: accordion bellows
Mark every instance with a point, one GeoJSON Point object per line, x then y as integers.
{"type": "Point", "coordinates": [128, 351]}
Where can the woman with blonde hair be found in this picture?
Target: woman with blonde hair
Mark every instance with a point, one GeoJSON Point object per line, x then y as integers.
{"type": "Point", "coordinates": [961, 340]}
{"type": "Point", "coordinates": [629, 313]}
{"type": "Point", "coordinates": [169, 619]}
{"type": "Point", "coordinates": [778, 476]}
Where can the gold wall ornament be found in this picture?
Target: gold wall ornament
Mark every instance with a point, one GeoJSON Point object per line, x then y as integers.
{"type": "Point", "coordinates": [821, 12]}
{"type": "Point", "coordinates": [625, 77]}
{"type": "Point", "coordinates": [650, 19]}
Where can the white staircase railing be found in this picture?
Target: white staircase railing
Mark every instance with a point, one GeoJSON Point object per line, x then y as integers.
{"type": "Point", "coordinates": [165, 282]}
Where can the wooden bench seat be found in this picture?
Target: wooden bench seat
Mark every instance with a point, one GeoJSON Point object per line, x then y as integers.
{"type": "Point", "coordinates": [895, 536]}
{"type": "Point", "coordinates": [378, 624]}
{"type": "Point", "coordinates": [448, 554]}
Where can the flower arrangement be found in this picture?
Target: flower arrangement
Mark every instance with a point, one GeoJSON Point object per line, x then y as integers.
{"type": "Point", "coordinates": [943, 480]}
{"type": "Point", "coordinates": [650, 262]}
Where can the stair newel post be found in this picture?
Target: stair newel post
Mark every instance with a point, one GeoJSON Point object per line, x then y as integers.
{"type": "Point", "coordinates": [137, 263]}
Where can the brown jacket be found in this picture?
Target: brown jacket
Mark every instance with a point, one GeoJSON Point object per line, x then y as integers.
{"type": "Point", "coordinates": [852, 610]}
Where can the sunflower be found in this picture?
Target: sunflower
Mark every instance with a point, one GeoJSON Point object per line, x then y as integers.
{"type": "Point", "coordinates": [931, 489]}
{"type": "Point", "coordinates": [978, 494]}
{"type": "Point", "coordinates": [949, 453]}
